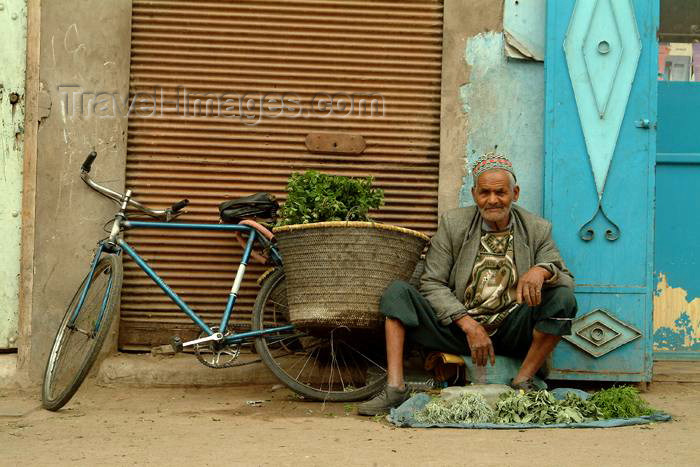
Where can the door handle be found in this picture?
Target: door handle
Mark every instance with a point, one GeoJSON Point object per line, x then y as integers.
{"type": "Point", "coordinates": [644, 124]}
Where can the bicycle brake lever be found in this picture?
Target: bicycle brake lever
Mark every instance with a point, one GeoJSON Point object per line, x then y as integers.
{"type": "Point", "coordinates": [170, 215]}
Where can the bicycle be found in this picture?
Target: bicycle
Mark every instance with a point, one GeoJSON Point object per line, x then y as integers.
{"type": "Point", "coordinates": [321, 365]}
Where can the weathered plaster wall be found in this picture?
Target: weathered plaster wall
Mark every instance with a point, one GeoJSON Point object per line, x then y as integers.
{"type": "Point", "coordinates": [524, 27]}
{"type": "Point", "coordinates": [676, 319]}
{"type": "Point", "coordinates": [504, 104]}
{"type": "Point", "coordinates": [84, 43]}
{"type": "Point", "coordinates": [462, 20]}
{"type": "Point", "coordinates": [489, 100]}
{"type": "Point", "coordinates": [13, 24]}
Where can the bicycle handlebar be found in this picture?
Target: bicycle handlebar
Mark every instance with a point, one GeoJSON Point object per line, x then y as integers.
{"type": "Point", "coordinates": [87, 165]}
{"type": "Point", "coordinates": [161, 214]}
{"type": "Point", "coordinates": [180, 205]}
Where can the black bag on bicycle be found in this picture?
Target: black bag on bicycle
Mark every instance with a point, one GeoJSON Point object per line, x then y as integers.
{"type": "Point", "coordinates": [259, 205]}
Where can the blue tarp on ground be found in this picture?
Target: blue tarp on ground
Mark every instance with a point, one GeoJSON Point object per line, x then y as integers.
{"type": "Point", "coordinates": [402, 416]}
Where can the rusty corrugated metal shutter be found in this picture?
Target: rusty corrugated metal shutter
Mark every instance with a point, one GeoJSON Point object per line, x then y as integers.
{"type": "Point", "coordinates": [280, 48]}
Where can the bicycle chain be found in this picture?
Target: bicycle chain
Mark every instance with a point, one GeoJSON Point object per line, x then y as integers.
{"type": "Point", "coordinates": [236, 348]}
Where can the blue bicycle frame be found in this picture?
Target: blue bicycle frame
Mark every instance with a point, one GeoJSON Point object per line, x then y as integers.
{"type": "Point", "coordinates": [252, 236]}
{"type": "Point", "coordinates": [83, 294]}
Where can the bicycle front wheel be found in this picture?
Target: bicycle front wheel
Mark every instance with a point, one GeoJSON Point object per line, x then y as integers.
{"type": "Point", "coordinates": [78, 341]}
{"type": "Point", "coordinates": [336, 365]}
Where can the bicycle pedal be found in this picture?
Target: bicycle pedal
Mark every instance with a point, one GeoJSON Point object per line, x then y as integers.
{"type": "Point", "coordinates": [166, 349]}
{"type": "Point", "coordinates": [176, 344]}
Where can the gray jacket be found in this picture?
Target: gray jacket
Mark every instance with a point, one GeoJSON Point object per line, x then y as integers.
{"type": "Point", "coordinates": [453, 250]}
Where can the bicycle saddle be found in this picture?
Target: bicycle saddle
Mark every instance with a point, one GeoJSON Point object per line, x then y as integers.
{"type": "Point", "coordinates": [259, 205]}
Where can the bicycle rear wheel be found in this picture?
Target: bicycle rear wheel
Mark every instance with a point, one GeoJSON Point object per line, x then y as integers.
{"type": "Point", "coordinates": [76, 346]}
{"type": "Point", "coordinates": [335, 365]}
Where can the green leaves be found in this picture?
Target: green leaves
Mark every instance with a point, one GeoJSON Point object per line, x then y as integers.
{"type": "Point", "coordinates": [537, 407]}
{"type": "Point", "coordinates": [587, 408]}
{"type": "Point", "coordinates": [318, 197]}
{"type": "Point", "coordinates": [621, 402]}
{"type": "Point", "coordinates": [540, 407]}
{"type": "Point", "coordinates": [468, 408]}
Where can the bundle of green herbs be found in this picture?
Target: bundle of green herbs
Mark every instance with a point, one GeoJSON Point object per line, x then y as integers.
{"type": "Point", "coordinates": [318, 197]}
{"type": "Point", "coordinates": [468, 408]}
{"type": "Point", "coordinates": [621, 402]}
{"type": "Point", "coordinates": [586, 407]}
{"type": "Point", "coordinates": [541, 407]}
{"type": "Point", "coordinates": [536, 407]}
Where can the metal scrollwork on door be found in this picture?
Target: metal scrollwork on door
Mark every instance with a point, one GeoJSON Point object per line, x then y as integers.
{"type": "Point", "coordinates": [599, 333]}
{"type": "Point", "coordinates": [602, 49]}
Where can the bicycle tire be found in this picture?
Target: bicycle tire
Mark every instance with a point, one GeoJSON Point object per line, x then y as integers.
{"type": "Point", "coordinates": [67, 366]}
{"type": "Point", "coordinates": [283, 355]}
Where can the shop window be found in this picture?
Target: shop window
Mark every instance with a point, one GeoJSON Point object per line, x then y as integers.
{"type": "Point", "coordinates": [679, 40]}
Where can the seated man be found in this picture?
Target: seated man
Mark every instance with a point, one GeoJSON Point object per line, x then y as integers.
{"type": "Point", "coordinates": [494, 282]}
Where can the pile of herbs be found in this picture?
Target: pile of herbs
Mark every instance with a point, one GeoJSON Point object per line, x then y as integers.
{"type": "Point", "coordinates": [468, 408]}
{"type": "Point", "coordinates": [318, 197]}
{"type": "Point", "coordinates": [621, 402]}
{"type": "Point", "coordinates": [542, 408]}
{"type": "Point", "coordinates": [536, 407]}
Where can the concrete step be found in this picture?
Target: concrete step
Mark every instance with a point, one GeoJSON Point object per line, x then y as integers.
{"type": "Point", "coordinates": [677, 371]}
{"type": "Point", "coordinates": [8, 371]}
{"type": "Point", "coordinates": [146, 370]}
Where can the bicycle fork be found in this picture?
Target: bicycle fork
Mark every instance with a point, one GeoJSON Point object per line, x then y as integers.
{"type": "Point", "coordinates": [83, 295]}
{"type": "Point", "coordinates": [116, 228]}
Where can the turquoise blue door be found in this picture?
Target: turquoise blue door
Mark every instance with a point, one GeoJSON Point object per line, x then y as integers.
{"type": "Point", "coordinates": [600, 114]}
{"type": "Point", "coordinates": [677, 256]}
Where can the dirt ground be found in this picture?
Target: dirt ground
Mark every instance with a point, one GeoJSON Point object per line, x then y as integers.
{"type": "Point", "coordinates": [218, 426]}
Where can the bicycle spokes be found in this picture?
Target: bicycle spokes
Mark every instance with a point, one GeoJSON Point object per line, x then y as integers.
{"type": "Point", "coordinates": [327, 360]}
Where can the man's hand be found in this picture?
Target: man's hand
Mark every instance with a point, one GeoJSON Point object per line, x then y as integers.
{"type": "Point", "coordinates": [480, 345]}
{"type": "Point", "coordinates": [530, 286]}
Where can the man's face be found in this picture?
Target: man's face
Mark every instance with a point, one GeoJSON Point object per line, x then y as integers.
{"type": "Point", "coordinates": [494, 194]}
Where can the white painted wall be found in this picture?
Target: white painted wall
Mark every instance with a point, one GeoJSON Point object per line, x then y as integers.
{"type": "Point", "coordinates": [13, 24]}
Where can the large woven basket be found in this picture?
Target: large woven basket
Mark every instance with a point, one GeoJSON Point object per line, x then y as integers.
{"type": "Point", "coordinates": [336, 271]}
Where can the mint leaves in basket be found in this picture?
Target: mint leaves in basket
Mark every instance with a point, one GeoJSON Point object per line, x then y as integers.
{"type": "Point", "coordinates": [318, 197]}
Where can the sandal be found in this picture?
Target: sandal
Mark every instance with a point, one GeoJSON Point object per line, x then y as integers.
{"type": "Point", "coordinates": [528, 385]}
